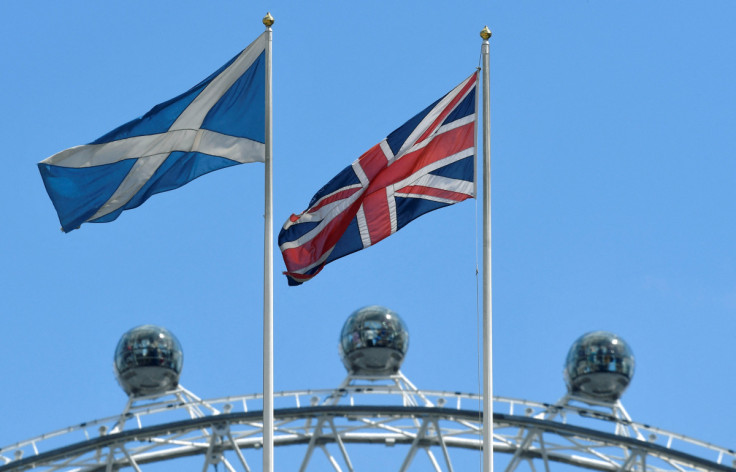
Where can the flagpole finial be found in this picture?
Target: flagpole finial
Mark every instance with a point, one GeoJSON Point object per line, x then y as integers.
{"type": "Point", "coordinates": [268, 20]}
{"type": "Point", "coordinates": [486, 33]}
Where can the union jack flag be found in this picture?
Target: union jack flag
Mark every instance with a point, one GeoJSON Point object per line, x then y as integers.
{"type": "Point", "coordinates": [427, 163]}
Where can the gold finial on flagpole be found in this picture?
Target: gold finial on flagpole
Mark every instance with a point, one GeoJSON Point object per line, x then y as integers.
{"type": "Point", "coordinates": [268, 20]}
{"type": "Point", "coordinates": [485, 33]}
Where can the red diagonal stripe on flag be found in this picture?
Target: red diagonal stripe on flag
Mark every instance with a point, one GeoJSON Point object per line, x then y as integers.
{"type": "Point", "coordinates": [448, 109]}
{"type": "Point", "coordinates": [432, 192]}
{"type": "Point", "coordinates": [446, 144]}
{"type": "Point", "coordinates": [341, 195]}
{"type": "Point", "coordinates": [312, 250]}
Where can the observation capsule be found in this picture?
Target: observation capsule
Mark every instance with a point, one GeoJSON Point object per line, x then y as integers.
{"type": "Point", "coordinates": [600, 365]}
{"type": "Point", "coordinates": [373, 341]}
{"type": "Point", "coordinates": [148, 361]}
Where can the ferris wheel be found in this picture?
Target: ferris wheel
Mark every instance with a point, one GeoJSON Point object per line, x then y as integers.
{"type": "Point", "coordinates": [376, 407]}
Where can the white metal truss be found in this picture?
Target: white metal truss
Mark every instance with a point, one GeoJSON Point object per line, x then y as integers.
{"type": "Point", "coordinates": [387, 411]}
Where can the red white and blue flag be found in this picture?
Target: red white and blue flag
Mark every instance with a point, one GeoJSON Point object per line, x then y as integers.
{"type": "Point", "coordinates": [427, 163]}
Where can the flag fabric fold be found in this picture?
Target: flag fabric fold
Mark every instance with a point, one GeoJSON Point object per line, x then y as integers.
{"type": "Point", "coordinates": [426, 164]}
{"type": "Point", "coordinates": [216, 124]}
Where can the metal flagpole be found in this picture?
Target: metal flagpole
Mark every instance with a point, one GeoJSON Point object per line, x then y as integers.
{"type": "Point", "coordinates": [268, 268]}
{"type": "Point", "coordinates": [487, 292]}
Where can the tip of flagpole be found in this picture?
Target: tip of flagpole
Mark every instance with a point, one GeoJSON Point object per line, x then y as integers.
{"type": "Point", "coordinates": [268, 20]}
{"type": "Point", "coordinates": [486, 33]}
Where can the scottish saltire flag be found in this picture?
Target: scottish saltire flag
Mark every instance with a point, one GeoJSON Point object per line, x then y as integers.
{"type": "Point", "coordinates": [220, 122]}
{"type": "Point", "coordinates": [428, 163]}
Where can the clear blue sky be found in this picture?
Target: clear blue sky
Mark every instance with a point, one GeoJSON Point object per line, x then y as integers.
{"type": "Point", "coordinates": [614, 195]}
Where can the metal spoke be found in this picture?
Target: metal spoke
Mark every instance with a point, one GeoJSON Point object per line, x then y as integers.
{"type": "Point", "coordinates": [536, 436]}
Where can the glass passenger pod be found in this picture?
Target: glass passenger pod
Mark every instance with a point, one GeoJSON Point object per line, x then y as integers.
{"type": "Point", "coordinates": [599, 365]}
{"type": "Point", "coordinates": [148, 361]}
{"type": "Point", "coordinates": [373, 342]}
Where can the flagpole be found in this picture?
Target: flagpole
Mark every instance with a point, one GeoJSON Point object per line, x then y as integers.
{"type": "Point", "coordinates": [487, 278]}
{"type": "Point", "coordinates": [268, 267]}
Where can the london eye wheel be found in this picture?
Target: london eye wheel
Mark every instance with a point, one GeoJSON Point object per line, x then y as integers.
{"type": "Point", "coordinates": [376, 408]}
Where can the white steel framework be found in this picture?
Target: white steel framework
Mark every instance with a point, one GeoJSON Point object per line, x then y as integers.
{"type": "Point", "coordinates": [228, 432]}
